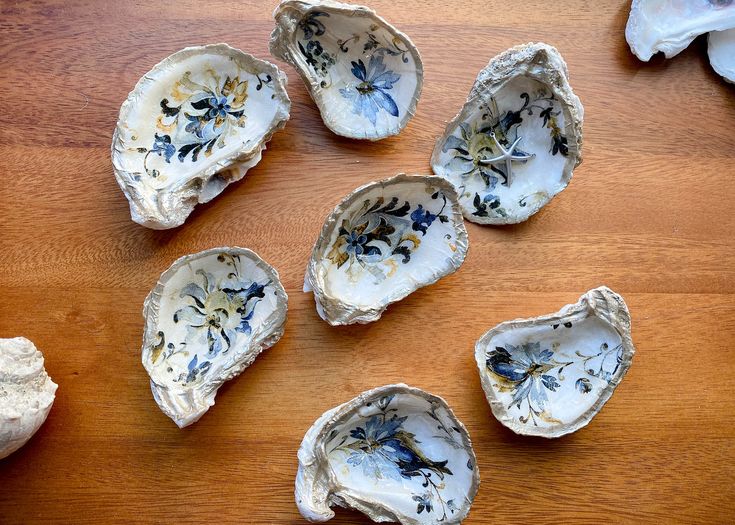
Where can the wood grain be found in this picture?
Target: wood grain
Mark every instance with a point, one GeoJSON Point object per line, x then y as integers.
{"type": "Point", "coordinates": [649, 213]}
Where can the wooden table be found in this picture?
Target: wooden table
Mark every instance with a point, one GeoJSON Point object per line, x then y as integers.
{"type": "Point", "coordinates": [649, 213]}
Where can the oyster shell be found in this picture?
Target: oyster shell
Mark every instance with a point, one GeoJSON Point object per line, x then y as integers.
{"type": "Point", "coordinates": [721, 49]}
{"type": "Point", "coordinates": [364, 75]}
{"type": "Point", "coordinates": [394, 453]}
{"type": "Point", "coordinates": [210, 315]}
{"type": "Point", "coordinates": [382, 242]}
{"type": "Point", "coordinates": [550, 375]}
{"type": "Point", "coordinates": [515, 143]}
{"type": "Point", "coordinates": [671, 25]}
{"type": "Point", "coordinates": [26, 393]}
{"type": "Point", "coordinates": [194, 124]}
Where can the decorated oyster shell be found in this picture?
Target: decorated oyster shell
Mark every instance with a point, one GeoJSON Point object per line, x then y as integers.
{"type": "Point", "coordinates": [364, 75]}
{"type": "Point", "coordinates": [721, 49]}
{"type": "Point", "coordinates": [516, 141]}
{"type": "Point", "coordinates": [206, 321]}
{"type": "Point", "coordinates": [193, 125]}
{"type": "Point", "coordinates": [381, 243]}
{"type": "Point", "coordinates": [395, 453]}
{"type": "Point", "coordinates": [671, 25]}
{"type": "Point", "coordinates": [26, 393]}
{"type": "Point", "coordinates": [550, 375]}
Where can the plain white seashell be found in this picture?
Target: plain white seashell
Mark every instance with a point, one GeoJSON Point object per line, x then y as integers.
{"type": "Point", "coordinates": [721, 50]}
{"type": "Point", "coordinates": [516, 141]}
{"type": "Point", "coordinates": [364, 75]}
{"type": "Point", "coordinates": [194, 124]}
{"type": "Point", "coordinates": [394, 453]}
{"type": "Point", "coordinates": [550, 375]}
{"type": "Point", "coordinates": [671, 25]}
{"type": "Point", "coordinates": [210, 315]}
{"type": "Point", "coordinates": [26, 393]}
{"type": "Point", "coordinates": [381, 243]}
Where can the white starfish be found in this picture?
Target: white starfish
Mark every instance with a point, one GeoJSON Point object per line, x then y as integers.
{"type": "Point", "coordinates": [507, 156]}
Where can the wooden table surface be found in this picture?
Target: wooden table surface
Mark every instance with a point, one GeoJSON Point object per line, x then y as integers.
{"type": "Point", "coordinates": [648, 213]}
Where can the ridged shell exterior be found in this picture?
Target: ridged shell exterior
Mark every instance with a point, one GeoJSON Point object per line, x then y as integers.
{"type": "Point", "coordinates": [164, 178]}
{"type": "Point", "coordinates": [26, 393]}
{"type": "Point", "coordinates": [670, 26]}
{"type": "Point", "coordinates": [320, 477]}
{"type": "Point", "coordinates": [329, 68]}
{"type": "Point", "coordinates": [344, 307]}
{"type": "Point", "coordinates": [189, 354]}
{"type": "Point", "coordinates": [533, 355]}
{"type": "Point", "coordinates": [484, 196]}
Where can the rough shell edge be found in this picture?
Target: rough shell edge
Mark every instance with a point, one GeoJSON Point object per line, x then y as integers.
{"type": "Point", "coordinates": [601, 302]}
{"type": "Point", "coordinates": [189, 197]}
{"type": "Point", "coordinates": [312, 459]}
{"type": "Point", "coordinates": [342, 313]}
{"type": "Point", "coordinates": [281, 48]}
{"type": "Point", "coordinates": [502, 68]}
{"type": "Point", "coordinates": [200, 399]}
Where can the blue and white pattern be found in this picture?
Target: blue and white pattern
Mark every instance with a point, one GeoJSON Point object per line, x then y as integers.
{"type": "Point", "coordinates": [217, 312]}
{"type": "Point", "coordinates": [372, 93]}
{"type": "Point", "coordinates": [533, 371]}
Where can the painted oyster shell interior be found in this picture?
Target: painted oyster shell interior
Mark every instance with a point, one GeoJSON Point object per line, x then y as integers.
{"type": "Point", "coordinates": [207, 319]}
{"type": "Point", "coordinates": [550, 375]}
{"type": "Point", "coordinates": [395, 453]}
{"type": "Point", "coordinates": [364, 75]}
{"type": "Point", "coordinates": [670, 26]}
{"type": "Point", "coordinates": [721, 50]}
{"type": "Point", "coordinates": [193, 125]}
{"type": "Point", "coordinates": [516, 141]}
{"type": "Point", "coordinates": [381, 243]}
{"type": "Point", "coordinates": [26, 393]}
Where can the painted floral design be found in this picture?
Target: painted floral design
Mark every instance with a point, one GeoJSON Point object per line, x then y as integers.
{"type": "Point", "coordinates": [382, 447]}
{"type": "Point", "coordinates": [371, 94]}
{"type": "Point", "coordinates": [216, 313]}
{"type": "Point", "coordinates": [531, 372]}
{"type": "Point", "coordinates": [371, 90]}
{"type": "Point", "coordinates": [489, 149]}
{"type": "Point", "coordinates": [381, 230]}
{"type": "Point", "coordinates": [197, 117]}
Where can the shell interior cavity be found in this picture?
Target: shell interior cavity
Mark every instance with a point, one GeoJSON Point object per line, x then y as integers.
{"type": "Point", "coordinates": [194, 124]}
{"type": "Point", "coordinates": [382, 242]}
{"type": "Point", "coordinates": [516, 141]}
{"type": "Point", "coordinates": [671, 25]}
{"type": "Point", "coordinates": [26, 393]}
{"type": "Point", "coordinates": [395, 453]}
{"type": "Point", "coordinates": [721, 49]}
{"type": "Point", "coordinates": [207, 319]}
{"type": "Point", "coordinates": [550, 375]}
{"type": "Point", "coordinates": [364, 75]}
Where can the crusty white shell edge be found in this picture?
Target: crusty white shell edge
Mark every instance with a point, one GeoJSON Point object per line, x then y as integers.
{"type": "Point", "coordinates": [287, 16]}
{"type": "Point", "coordinates": [722, 62]}
{"type": "Point", "coordinates": [600, 302]}
{"type": "Point", "coordinates": [336, 311]}
{"type": "Point", "coordinates": [541, 62]}
{"type": "Point", "coordinates": [316, 485]}
{"type": "Point", "coordinates": [186, 406]}
{"type": "Point", "coordinates": [670, 45]}
{"type": "Point", "coordinates": [24, 365]}
{"type": "Point", "coordinates": [185, 197]}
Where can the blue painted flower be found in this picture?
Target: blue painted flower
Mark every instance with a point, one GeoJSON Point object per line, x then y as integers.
{"type": "Point", "coordinates": [162, 145]}
{"type": "Point", "coordinates": [424, 503]}
{"type": "Point", "coordinates": [356, 242]}
{"type": "Point", "coordinates": [526, 368]}
{"type": "Point", "coordinates": [216, 315]}
{"type": "Point", "coordinates": [383, 443]}
{"type": "Point", "coordinates": [195, 370]}
{"type": "Point", "coordinates": [422, 219]}
{"type": "Point", "coordinates": [371, 95]}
